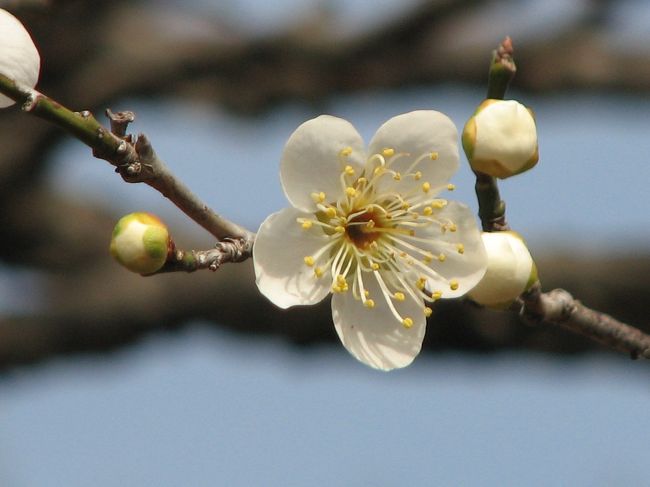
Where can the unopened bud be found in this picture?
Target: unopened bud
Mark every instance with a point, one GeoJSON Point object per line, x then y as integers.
{"type": "Point", "coordinates": [19, 58]}
{"type": "Point", "coordinates": [140, 243]}
{"type": "Point", "coordinates": [510, 270]}
{"type": "Point", "coordinates": [500, 139]}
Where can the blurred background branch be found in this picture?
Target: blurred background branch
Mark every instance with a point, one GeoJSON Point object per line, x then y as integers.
{"type": "Point", "coordinates": [99, 53]}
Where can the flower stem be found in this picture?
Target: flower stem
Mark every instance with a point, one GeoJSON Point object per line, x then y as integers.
{"type": "Point", "coordinates": [492, 209]}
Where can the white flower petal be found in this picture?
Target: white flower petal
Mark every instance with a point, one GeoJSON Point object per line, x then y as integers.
{"type": "Point", "coordinates": [312, 161]}
{"type": "Point", "coordinates": [466, 268]}
{"type": "Point", "coordinates": [278, 255]}
{"type": "Point", "coordinates": [19, 59]}
{"type": "Point", "coordinates": [374, 336]}
{"type": "Point", "coordinates": [419, 134]}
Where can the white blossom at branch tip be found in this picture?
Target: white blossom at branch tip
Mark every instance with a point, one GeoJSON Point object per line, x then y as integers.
{"type": "Point", "coordinates": [374, 228]}
{"type": "Point", "coordinates": [19, 58]}
{"type": "Point", "coordinates": [510, 270]}
{"type": "Point", "coordinates": [500, 139]}
{"type": "Point", "coordinates": [140, 242]}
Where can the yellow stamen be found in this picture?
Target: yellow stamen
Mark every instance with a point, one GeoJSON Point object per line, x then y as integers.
{"type": "Point", "coordinates": [309, 260]}
{"type": "Point", "coordinates": [346, 151]}
{"type": "Point", "coordinates": [427, 211]}
{"type": "Point", "coordinates": [439, 204]}
{"type": "Point", "coordinates": [451, 187]}
{"type": "Point", "coordinates": [421, 282]}
{"type": "Point", "coordinates": [397, 177]}
{"type": "Point", "coordinates": [339, 229]}
{"type": "Point", "coordinates": [374, 266]}
{"type": "Point", "coordinates": [349, 170]}
{"type": "Point", "coordinates": [388, 152]}
{"type": "Point", "coordinates": [318, 197]}
{"type": "Point", "coordinates": [453, 284]}
{"type": "Point", "coordinates": [427, 311]}
{"type": "Point", "coordinates": [350, 191]}
{"type": "Point", "coordinates": [436, 295]}
{"type": "Point", "coordinates": [426, 186]}
{"type": "Point", "coordinates": [417, 175]}
{"type": "Point", "coordinates": [434, 156]}
{"type": "Point", "coordinates": [369, 303]}
{"type": "Point", "coordinates": [407, 322]}
{"type": "Point", "coordinates": [330, 212]}
{"type": "Point", "coordinates": [461, 248]}
{"type": "Point", "coordinates": [399, 296]}
{"type": "Point", "coordinates": [442, 257]}
{"type": "Point", "coordinates": [306, 224]}
{"type": "Point", "coordinates": [318, 272]}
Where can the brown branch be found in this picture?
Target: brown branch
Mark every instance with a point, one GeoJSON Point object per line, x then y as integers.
{"type": "Point", "coordinates": [559, 307]}
{"type": "Point", "coordinates": [135, 160]}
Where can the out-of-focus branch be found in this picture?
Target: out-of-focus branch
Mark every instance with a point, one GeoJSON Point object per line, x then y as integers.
{"type": "Point", "coordinates": [559, 307]}
{"type": "Point", "coordinates": [135, 161]}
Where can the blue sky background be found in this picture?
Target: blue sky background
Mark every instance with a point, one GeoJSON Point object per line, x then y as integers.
{"type": "Point", "coordinates": [204, 408]}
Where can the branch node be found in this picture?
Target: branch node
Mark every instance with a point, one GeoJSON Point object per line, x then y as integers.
{"type": "Point", "coordinates": [120, 121]}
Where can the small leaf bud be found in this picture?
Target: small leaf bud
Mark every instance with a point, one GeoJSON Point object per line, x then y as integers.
{"type": "Point", "coordinates": [140, 242]}
{"type": "Point", "coordinates": [510, 270]}
{"type": "Point", "coordinates": [500, 139]}
{"type": "Point", "coordinates": [19, 58]}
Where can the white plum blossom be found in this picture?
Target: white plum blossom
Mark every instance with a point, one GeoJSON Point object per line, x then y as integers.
{"type": "Point", "coordinates": [370, 227]}
{"type": "Point", "coordinates": [19, 58]}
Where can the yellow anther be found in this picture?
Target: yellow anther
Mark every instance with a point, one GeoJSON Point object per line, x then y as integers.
{"type": "Point", "coordinates": [427, 258]}
{"type": "Point", "coordinates": [405, 206]}
{"type": "Point", "coordinates": [427, 311]}
{"type": "Point", "coordinates": [366, 293]}
{"type": "Point", "coordinates": [318, 197]}
{"type": "Point", "coordinates": [452, 227]}
{"type": "Point", "coordinates": [439, 204]}
{"type": "Point", "coordinates": [318, 272]}
{"type": "Point", "coordinates": [370, 224]}
{"type": "Point", "coordinates": [407, 322]}
{"type": "Point", "coordinates": [339, 229]}
{"type": "Point", "coordinates": [399, 296]}
{"type": "Point", "coordinates": [388, 152]}
{"type": "Point", "coordinates": [374, 266]}
{"type": "Point", "coordinates": [361, 182]}
{"type": "Point", "coordinates": [436, 295]}
{"type": "Point", "coordinates": [417, 175]}
{"type": "Point", "coordinates": [379, 170]}
{"type": "Point", "coordinates": [346, 151]}
{"type": "Point", "coordinates": [402, 254]}
{"type": "Point", "coordinates": [350, 191]}
{"type": "Point", "coordinates": [309, 260]}
{"type": "Point", "coordinates": [451, 187]}
{"type": "Point", "coordinates": [349, 170]}
{"type": "Point", "coordinates": [374, 245]}
{"type": "Point", "coordinates": [306, 224]}
{"type": "Point", "coordinates": [453, 284]}
{"type": "Point", "coordinates": [427, 211]}
{"type": "Point", "coordinates": [433, 156]}
{"type": "Point", "coordinates": [426, 186]}
{"type": "Point", "coordinates": [369, 303]}
{"type": "Point", "coordinates": [330, 212]}
{"type": "Point", "coordinates": [420, 283]}
{"type": "Point", "coordinates": [442, 257]}
{"type": "Point", "coordinates": [340, 280]}
{"type": "Point", "coordinates": [397, 177]}
{"type": "Point", "coordinates": [461, 248]}
{"type": "Point", "coordinates": [336, 289]}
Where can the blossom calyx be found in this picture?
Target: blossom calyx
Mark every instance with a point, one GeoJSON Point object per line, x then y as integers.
{"type": "Point", "coordinates": [141, 243]}
{"type": "Point", "coordinates": [510, 270]}
{"type": "Point", "coordinates": [500, 139]}
{"type": "Point", "coordinates": [19, 58]}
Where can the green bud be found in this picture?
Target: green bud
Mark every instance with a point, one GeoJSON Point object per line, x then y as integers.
{"type": "Point", "coordinates": [140, 242]}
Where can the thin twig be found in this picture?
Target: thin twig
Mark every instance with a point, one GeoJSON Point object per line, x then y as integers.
{"type": "Point", "coordinates": [559, 307]}
{"type": "Point", "coordinates": [227, 250]}
{"type": "Point", "coordinates": [134, 159]}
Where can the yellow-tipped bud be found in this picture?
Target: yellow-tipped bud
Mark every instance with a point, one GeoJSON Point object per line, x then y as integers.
{"type": "Point", "coordinates": [510, 270]}
{"type": "Point", "coordinates": [500, 139]}
{"type": "Point", "coordinates": [140, 242]}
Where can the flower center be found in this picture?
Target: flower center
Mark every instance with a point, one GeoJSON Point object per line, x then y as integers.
{"type": "Point", "coordinates": [360, 229]}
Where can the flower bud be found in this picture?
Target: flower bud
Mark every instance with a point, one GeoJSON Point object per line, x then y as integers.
{"type": "Point", "coordinates": [19, 58]}
{"type": "Point", "coordinates": [500, 139]}
{"type": "Point", "coordinates": [510, 270]}
{"type": "Point", "coordinates": [140, 242]}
